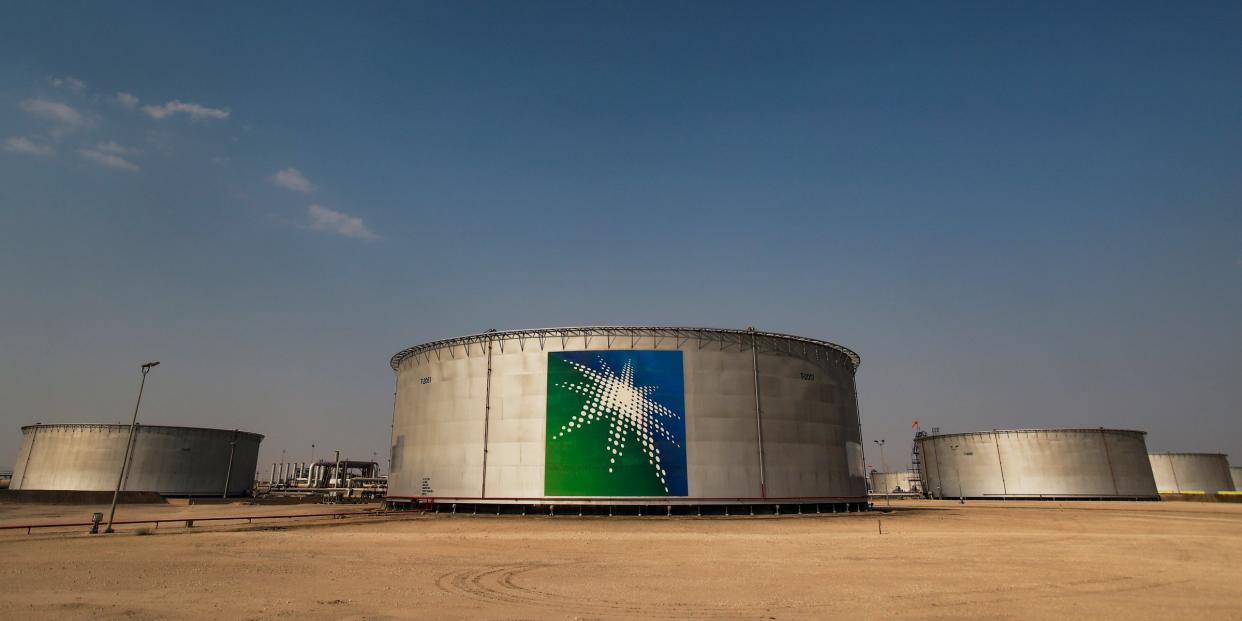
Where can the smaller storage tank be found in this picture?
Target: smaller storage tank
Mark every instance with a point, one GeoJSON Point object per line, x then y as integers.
{"type": "Point", "coordinates": [1236, 473]}
{"type": "Point", "coordinates": [1181, 473]}
{"type": "Point", "coordinates": [1037, 464]}
{"type": "Point", "coordinates": [894, 483]}
{"type": "Point", "coordinates": [173, 461]}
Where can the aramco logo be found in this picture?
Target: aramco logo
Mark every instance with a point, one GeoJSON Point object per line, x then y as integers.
{"type": "Point", "coordinates": [616, 424]}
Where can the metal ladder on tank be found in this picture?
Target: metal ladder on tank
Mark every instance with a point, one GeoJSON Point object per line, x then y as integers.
{"type": "Point", "coordinates": [916, 469]}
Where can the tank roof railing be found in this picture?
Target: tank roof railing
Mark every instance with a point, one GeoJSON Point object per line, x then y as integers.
{"type": "Point", "coordinates": [141, 426]}
{"type": "Point", "coordinates": [784, 343]}
{"type": "Point", "coordinates": [1048, 430]}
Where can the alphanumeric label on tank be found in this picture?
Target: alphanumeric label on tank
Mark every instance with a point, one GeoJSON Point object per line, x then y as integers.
{"type": "Point", "coordinates": [616, 424]}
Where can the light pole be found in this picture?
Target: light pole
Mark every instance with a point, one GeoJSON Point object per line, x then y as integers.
{"type": "Point", "coordinates": [129, 444]}
{"type": "Point", "coordinates": [883, 463]}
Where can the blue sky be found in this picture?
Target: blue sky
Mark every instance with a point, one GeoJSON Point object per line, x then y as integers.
{"type": "Point", "coordinates": [1020, 215]}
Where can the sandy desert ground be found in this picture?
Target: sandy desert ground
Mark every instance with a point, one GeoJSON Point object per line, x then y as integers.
{"type": "Point", "coordinates": [1088, 560]}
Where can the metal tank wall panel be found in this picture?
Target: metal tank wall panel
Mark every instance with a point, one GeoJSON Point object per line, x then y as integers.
{"type": "Point", "coordinates": [811, 441]}
{"type": "Point", "coordinates": [1235, 473]}
{"type": "Point", "coordinates": [174, 461]}
{"type": "Point", "coordinates": [1178, 473]}
{"type": "Point", "coordinates": [1066, 463]}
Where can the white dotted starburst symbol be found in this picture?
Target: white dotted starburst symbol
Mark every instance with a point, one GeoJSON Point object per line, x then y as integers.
{"type": "Point", "coordinates": [632, 416]}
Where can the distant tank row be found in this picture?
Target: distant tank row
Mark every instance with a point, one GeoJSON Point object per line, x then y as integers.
{"type": "Point", "coordinates": [625, 416]}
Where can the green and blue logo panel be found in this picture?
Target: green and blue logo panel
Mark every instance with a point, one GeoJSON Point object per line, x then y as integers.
{"type": "Point", "coordinates": [616, 424]}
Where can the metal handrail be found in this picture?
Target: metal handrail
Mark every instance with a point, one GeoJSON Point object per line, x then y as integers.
{"type": "Point", "coordinates": [189, 522]}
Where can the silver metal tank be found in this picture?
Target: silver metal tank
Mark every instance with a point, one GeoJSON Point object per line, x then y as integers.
{"type": "Point", "coordinates": [173, 461]}
{"type": "Point", "coordinates": [1179, 473]}
{"type": "Point", "coordinates": [1037, 463]}
{"type": "Point", "coordinates": [895, 483]}
{"type": "Point", "coordinates": [1235, 472]}
{"type": "Point", "coordinates": [627, 415]}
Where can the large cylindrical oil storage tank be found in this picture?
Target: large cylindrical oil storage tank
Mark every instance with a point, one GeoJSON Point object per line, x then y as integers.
{"type": "Point", "coordinates": [627, 416]}
{"type": "Point", "coordinates": [173, 461]}
{"type": "Point", "coordinates": [895, 483]}
{"type": "Point", "coordinates": [1180, 473]}
{"type": "Point", "coordinates": [1037, 464]}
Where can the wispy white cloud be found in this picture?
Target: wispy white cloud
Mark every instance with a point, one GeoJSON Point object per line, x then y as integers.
{"type": "Point", "coordinates": [22, 144]}
{"type": "Point", "coordinates": [54, 111]}
{"type": "Point", "coordinates": [108, 160]}
{"type": "Point", "coordinates": [193, 110]}
{"type": "Point", "coordinates": [126, 100]}
{"type": "Point", "coordinates": [331, 221]}
{"type": "Point", "coordinates": [293, 179]}
{"type": "Point", "coordinates": [115, 148]}
{"type": "Point", "coordinates": [67, 83]}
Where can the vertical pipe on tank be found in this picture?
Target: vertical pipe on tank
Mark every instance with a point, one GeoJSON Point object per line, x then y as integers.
{"type": "Point", "coordinates": [1177, 487]}
{"type": "Point", "coordinates": [939, 471]}
{"type": "Point", "coordinates": [133, 442]}
{"type": "Point", "coordinates": [392, 427]}
{"type": "Point", "coordinates": [996, 440]}
{"type": "Point", "coordinates": [487, 414]}
{"type": "Point", "coordinates": [272, 480]}
{"type": "Point", "coordinates": [754, 360]}
{"type": "Point", "coordinates": [862, 450]}
{"type": "Point", "coordinates": [29, 451]}
{"type": "Point", "coordinates": [1108, 458]}
{"type": "Point", "coordinates": [228, 472]}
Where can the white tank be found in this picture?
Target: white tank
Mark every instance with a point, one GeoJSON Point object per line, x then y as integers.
{"type": "Point", "coordinates": [174, 461]}
{"type": "Point", "coordinates": [904, 482]}
{"type": "Point", "coordinates": [1037, 463]}
{"type": "Point", "coordinates": [1179, 473]}
{"type": "Point", "coordinates": [627, 415]}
